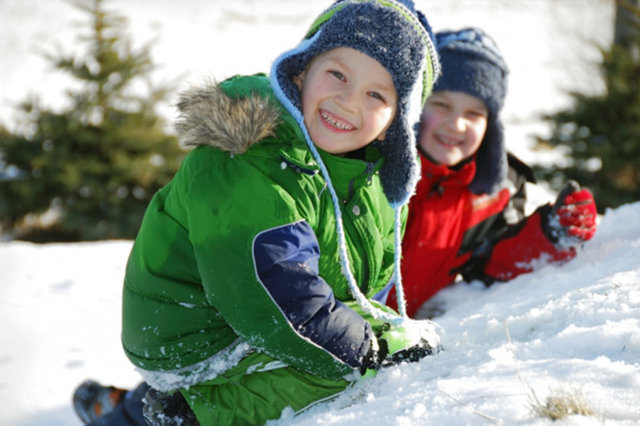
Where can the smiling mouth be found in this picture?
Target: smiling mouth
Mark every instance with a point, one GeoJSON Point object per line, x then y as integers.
{"type": "Point", "coordinates": [448, 141]}
{"type": "Point", "coordinates": [334, 122]}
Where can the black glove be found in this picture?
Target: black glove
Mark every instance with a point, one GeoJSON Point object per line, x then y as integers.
{"type": "Point", "coordinates": [409, 341]}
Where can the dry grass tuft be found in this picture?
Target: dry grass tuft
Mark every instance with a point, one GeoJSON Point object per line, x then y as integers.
{"type": "Point", "coordinates": [561, 403]}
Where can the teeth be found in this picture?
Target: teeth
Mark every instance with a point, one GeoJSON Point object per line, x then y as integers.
{"type": "Point", "coordinates": [448, 141]}
{"type": "Point", "coordinates": [334, 123]}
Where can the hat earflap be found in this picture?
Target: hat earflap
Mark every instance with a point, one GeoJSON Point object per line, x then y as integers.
{"type": "Point", "coordinates": [491, 160]}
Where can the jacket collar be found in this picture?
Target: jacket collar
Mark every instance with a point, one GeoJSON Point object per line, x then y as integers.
{"type": "Point", "coordinates": [437, 177]}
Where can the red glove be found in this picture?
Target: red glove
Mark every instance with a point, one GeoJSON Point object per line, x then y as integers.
{"type": "Point", "coordinates": [573, 217]}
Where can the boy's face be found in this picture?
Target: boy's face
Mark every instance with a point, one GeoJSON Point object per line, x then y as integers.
{"type": "Point", "coordinates": [348, 100]}
{"type": "Point", "coordinates": [453, 125]}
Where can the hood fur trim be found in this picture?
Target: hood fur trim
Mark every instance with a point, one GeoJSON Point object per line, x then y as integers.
{"type": "Point", "coordinates": [208, 116]}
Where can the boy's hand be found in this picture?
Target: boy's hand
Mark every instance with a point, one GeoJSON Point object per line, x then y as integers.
{"type": "Point", "coordinates": [406, 342]}
{"type": "Point", "coordinates": [573, 217]}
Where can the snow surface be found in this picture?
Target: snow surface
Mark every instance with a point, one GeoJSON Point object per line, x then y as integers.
{"type": "Point", "coordinates": [573, 328]}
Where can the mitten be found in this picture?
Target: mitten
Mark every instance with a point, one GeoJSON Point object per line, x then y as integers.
{"type": "Point", "coordinates": [409, 341]}
{"type": "Point", "coordinates": [572, 219]}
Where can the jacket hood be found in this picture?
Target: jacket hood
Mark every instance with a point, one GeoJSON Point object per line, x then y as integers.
{"type": "Point", "coordinates": [211, 115]}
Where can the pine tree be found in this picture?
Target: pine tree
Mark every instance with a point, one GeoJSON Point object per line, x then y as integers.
{"type": "Point", "coordinates": [601, 133]}
{"type": "Point", "coordinates": [94, 165]}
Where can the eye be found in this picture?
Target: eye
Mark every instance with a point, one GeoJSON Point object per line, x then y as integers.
{"type": "Point", "coordinates": [378, 96]}
{"type": "Point", "coordinates": [476, 114]}
{"type": "Point", "coordinates": [337, 74]}
{"type": "Point", "coordinates": [438, 103]}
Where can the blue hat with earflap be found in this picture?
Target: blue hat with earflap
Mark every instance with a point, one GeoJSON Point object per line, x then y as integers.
{"type": "Point", "coordinates": [472, 63]}
{"type": "Point", "coordinates": [399, 37]}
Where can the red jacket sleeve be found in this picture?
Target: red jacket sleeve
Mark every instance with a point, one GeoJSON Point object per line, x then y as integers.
{"type": "Point", "coordinates": [518, 250]}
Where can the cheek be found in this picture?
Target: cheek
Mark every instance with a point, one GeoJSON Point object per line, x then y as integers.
{"type": "Point", "coordinates": [431, 118]}
{"type": "Point", "coordinates": [386, 117]}
{"type": "Point", "coordinates": [428, 122]}
{"type": "Point", "coordinates": [309, 99]}
{"type": "Point", "coordinates": [378, 117]}
{"type": "Point", "coordinates": [478, 135]}
{"type": "Point", "coordinates": [310, 87]}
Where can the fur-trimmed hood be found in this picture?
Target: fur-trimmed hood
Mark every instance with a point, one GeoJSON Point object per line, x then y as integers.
{"type": "Point", "coordinates": [210, 116]}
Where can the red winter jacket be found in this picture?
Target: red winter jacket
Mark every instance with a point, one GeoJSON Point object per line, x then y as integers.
{"type": "Point", "coordinates": [453, 231]}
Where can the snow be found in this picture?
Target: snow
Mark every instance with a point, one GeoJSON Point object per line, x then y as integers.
{"type": "Point", "coordinates": [571, 328]}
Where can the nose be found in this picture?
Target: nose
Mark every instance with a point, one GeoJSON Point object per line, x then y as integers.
{"type": "Point", "coordinates": [348, 99]}
{"type": "Point", "coordinates": [457, 123]}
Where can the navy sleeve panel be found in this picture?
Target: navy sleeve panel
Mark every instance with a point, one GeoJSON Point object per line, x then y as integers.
{"type": "Point", "coordinates": [286, 262]}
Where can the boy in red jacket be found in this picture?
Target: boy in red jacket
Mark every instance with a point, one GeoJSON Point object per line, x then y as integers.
{"type": "Point", "coordinates": [467, 217]}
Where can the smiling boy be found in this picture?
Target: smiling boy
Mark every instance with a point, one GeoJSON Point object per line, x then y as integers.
{"type": "Point", "coordinates": [467, 218]}
{"type": "Point", "coordinates": [248, 287]}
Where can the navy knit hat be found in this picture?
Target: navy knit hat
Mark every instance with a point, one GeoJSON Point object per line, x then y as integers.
{"type": "Point", "coordinates": [472, 63]}
{"type": "Point", "coordinates": [400, 39]}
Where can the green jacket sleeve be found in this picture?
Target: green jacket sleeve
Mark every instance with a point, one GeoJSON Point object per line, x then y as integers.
{"type": "Point", "coordinates": [257, 257]}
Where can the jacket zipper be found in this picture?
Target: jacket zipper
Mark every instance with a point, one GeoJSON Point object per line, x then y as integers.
{"type": "Point", "coordinates": [367, 260]}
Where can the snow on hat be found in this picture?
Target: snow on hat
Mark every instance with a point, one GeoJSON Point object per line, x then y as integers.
{"type": "Point", "coordinates": [398, 37]}
{"type": "Point", "coordinates": [472, 63]}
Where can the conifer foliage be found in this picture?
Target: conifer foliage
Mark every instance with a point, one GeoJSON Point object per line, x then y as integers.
{"type": "Point", "coordinates": [93, 166]}
{"type": "Point", "coordinates": [601, 133]}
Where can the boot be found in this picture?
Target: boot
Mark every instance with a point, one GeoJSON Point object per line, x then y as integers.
{"type": "Point", "coordinates": [92, 400]}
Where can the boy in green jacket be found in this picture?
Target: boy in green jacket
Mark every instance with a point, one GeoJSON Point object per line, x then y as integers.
{"type": "Point", "coordinates": [248, 288]}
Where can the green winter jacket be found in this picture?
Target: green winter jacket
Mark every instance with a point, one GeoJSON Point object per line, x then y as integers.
{"type": "Point", "coordinates": [239, 252]}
